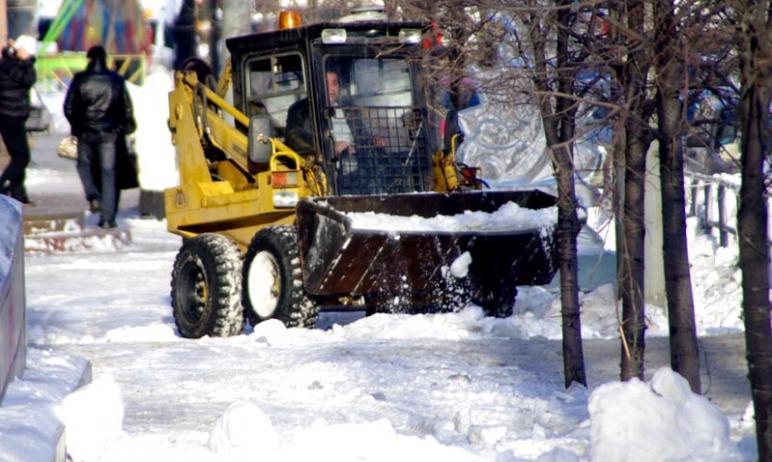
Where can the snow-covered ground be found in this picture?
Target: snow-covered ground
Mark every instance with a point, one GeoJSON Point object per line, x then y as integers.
{"type": "Point", "coordinates": [456, 386]}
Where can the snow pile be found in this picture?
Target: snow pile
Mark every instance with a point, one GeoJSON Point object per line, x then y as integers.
{"type": "Point", "coordinates": [153, 142]}
{"type": "Point", "coordinates": [537, 313]}
{"type": "Point", "coordinates": [272, 332]}
{"type": "Point", "coordinates": [469, 323]}
{"type": "Point", "coordinates": [244, 432]}
{"type": "Point", "coordinates": [93, 416]}
{"type": "Point", "coordinates": [658, 420]}
{"type": "Point", "coordinates": [29, 427]}
{"type": "Point", "coordinates": [509, 217]}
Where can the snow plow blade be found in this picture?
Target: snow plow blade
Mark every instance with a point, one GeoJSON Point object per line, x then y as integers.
{"type": "Point", "coordinates": [340, 258]}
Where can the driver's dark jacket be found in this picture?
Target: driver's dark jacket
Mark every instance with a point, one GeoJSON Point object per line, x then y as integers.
{"type": "Point", "coordinates": [299, 134]}
{"type": "Point", "coordinates": [299, 129]}
{"type": "Point", "coordinates": [98, 102]}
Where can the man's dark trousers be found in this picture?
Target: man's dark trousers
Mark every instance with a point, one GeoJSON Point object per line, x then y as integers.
{"type": "Point", "coordinates": [99, 148]}
{"type": "Point", "coordinates": [15, 138]}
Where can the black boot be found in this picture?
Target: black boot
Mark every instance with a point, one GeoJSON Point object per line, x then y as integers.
{"type": "Point", "coordinates": [107, 224]}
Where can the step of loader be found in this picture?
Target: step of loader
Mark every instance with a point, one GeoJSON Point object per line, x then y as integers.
{"type": "Point", "coordinates": [55, 229]}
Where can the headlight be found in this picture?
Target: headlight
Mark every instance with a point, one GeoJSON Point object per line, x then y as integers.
{"type": "Point", "coordinates": [285, 198]}
{"type": "Point", "coordinates": [409, 36]}
{"type": "Point", "coordinates": [333, 36]}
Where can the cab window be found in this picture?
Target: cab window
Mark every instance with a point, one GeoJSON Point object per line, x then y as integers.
{"type": "Point", "coordinates": [273, 84]}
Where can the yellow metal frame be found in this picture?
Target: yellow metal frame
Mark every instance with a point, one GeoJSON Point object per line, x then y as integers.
{"type": "Point", "coordinates": [444, 168]}
{"type": "Point", "coordinates": [226, 194]}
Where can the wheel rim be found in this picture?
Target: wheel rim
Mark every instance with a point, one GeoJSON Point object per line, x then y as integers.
{"type": "Point", "coordinates": [194, 292]}
{"type": "Point", "coordinates": [264, 284]}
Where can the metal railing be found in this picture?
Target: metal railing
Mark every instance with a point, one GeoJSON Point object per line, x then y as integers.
{"type": "Point", "coordinates": [714, 201]}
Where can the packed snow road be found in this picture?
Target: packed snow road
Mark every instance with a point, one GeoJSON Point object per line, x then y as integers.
{"type": "Point", "coordinates": [434, 387]}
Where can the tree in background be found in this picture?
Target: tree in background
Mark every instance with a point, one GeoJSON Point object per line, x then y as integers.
{"type": "Point", "coordinates": [753, 21]}
{"type": "Point", "coordinates": [671, 62]}
{"type": "Point", "coordinates": [630, 63]}
{"type": "Point", "coordinates": [542, 40]}
{"type": "Point", "coordinates": [558, 105]}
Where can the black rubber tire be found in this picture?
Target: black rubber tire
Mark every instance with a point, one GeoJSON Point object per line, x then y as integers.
{"type": "Point", "coordinates": [206, 287]}
{"type": "Point", "coordinates": [283, 299]}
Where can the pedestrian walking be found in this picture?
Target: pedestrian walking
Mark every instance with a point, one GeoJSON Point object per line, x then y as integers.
{"type": "Point", "coordinates": [99, 109]}
{"type": "Point", "coordinates": [17, 75]}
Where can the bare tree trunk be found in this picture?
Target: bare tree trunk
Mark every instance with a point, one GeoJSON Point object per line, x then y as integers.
{"type": "Point", "coordinates": [756, 74]}
{"type": "Point", "coordinates": [559, 133]}
{"type": "Point", "coordinates": [630, 277]}
{"type": "Point", "coordinates": [568, 221]}
{"type": "Point", "coordinates": [684, 351]}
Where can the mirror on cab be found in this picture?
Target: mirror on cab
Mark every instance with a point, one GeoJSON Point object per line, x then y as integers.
{"type": "Point", "coordinates": [260, 133]}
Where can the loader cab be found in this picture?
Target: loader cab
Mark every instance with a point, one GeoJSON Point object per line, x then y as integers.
{"type": "Point", "coordinates": [349, 96]}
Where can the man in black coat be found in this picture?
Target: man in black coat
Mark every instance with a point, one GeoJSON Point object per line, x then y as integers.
{"type": "Point", "coordinates": [355, 149]}
{"type": "Point", "coordinates": [17, 75]}
{"type": "Point", "coordinates": [99, 109]}
{"type": "Point", "coordinates": [299, 130]}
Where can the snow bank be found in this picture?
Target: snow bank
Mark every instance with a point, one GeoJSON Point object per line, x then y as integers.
{"type": "Point", "coordinates": [244, 432]}
{"type": "Point", "coordinates": [153, 142]}
{"type": "Point", "coordinates": [93, 418]}
{"type": "Point", "coordinates": [658, 420]}
{"type": "Point", "coordinates": [508, 217]}
{"type": "Point", "coordinates": [29, 428]}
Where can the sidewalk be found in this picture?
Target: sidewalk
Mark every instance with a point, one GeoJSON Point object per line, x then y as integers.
{"type": "Point", "coordinates": [30, 429]}
{"type": "Point", "coordinates": [58, 219]}
{"type": "Point", "coordinates": [68, 195]}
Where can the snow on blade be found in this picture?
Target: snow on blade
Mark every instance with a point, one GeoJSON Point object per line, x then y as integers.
{"type": "Point", "coordinates": [509, 217]}
{"type": "Point", "coordinates": [460, 266]}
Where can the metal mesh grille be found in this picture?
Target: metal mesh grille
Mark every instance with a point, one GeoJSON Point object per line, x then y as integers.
{"type": "Point", "coordinates": [389, 152]}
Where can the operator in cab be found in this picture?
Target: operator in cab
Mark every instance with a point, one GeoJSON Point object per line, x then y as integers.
{"type": "Point", "coordinates": [299, 131]}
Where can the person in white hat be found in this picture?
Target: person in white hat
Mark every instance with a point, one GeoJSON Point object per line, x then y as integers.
{"type": "Point", "coordinates": [17, 75]}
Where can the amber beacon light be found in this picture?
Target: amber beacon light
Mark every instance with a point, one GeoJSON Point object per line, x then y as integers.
{"type": "Point", "coordinates": [289, 20]}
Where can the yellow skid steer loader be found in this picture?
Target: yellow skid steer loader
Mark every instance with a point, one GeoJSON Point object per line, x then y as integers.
{"type": "Point", "coordinates": [329, 123]}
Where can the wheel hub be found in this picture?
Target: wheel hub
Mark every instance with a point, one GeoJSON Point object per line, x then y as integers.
{"type": "Point", "coordinates": [264, 284]}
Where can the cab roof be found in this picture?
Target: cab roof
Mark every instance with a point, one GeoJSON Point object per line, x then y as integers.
{"type": "Point", "coordinates": [374, 30]}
